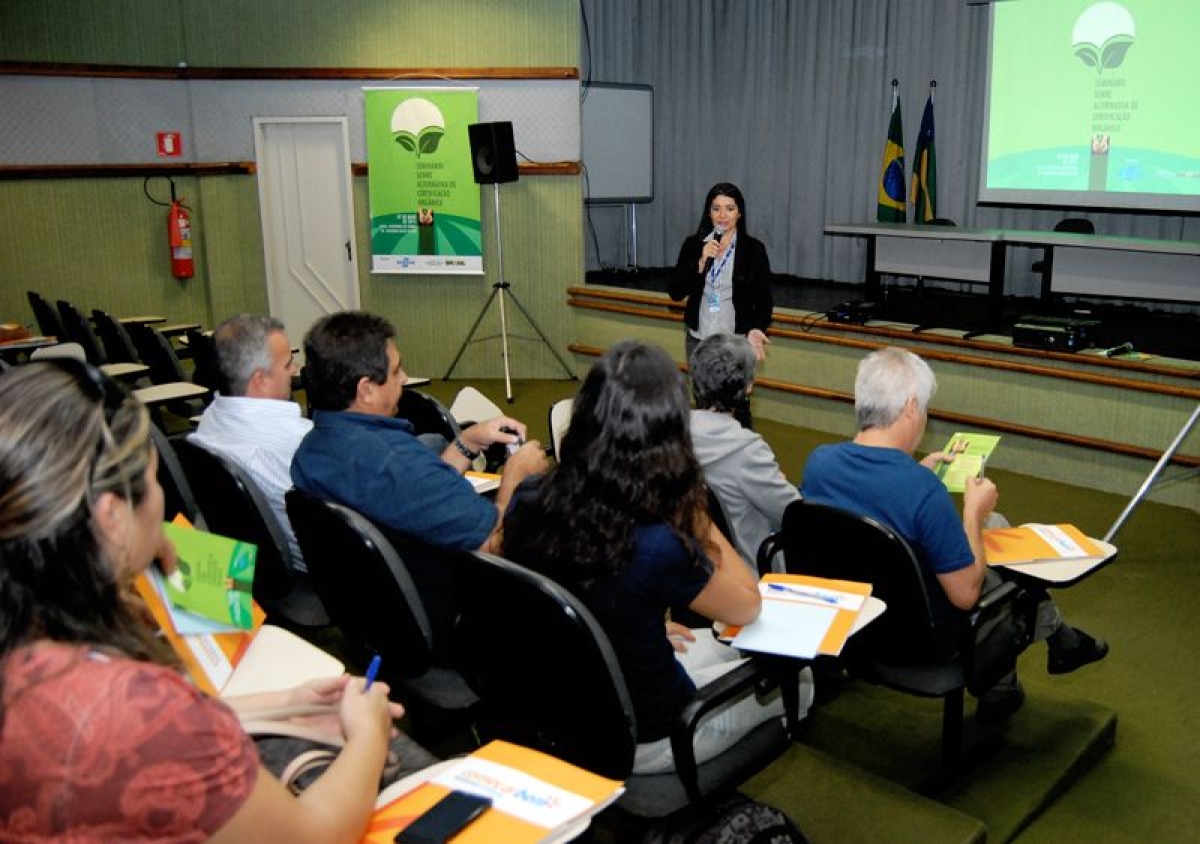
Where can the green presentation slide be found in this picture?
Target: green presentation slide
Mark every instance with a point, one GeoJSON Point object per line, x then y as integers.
{"type": "Point", "coordinates": [1094, 103]}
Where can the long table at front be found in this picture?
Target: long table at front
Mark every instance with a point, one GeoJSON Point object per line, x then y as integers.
{"type": "Point", "coordinates": [1080, 263]}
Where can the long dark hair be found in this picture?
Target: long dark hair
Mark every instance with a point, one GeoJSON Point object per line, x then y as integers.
{"type": "Point", "coordinates": [66, 437]}
{"type": "Point", "coordinates": [626, 460]}
{"type": "Point", "coordinates": [722, 189]}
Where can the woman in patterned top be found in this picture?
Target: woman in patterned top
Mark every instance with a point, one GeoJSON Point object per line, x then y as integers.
{"type": "Point", "coordinates": [101, 737]}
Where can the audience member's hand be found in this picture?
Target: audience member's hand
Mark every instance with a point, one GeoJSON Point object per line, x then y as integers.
{"type": "Point", "coordinates": [936, 458]}
{"type": "Point", "coordinates": [502, 429]}
{"type": "Point", "coordinates": [529, 460]}
{"type": "Point", "coordinates": [327, 691]}
{"type": "Point", "coordinates": [679, 636]}
{"type": "Point", "coordinates": [165, 554]}
{"type": "Point", "coordinates": [368, 712]}
{"type": "Point", "coordinates": [980, 497]}
{"type": "Point", "coordinates": [758, 341]}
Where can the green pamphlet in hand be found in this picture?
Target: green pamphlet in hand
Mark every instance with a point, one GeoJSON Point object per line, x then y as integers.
{"type": "Point", "coordinates": [215, 577]}
{"type": "Point", "coordinates": [971, 453]}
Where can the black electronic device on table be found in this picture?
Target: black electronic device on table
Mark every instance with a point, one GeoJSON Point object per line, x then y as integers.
{"type": "Point", "coordinates": [1064, 334]}
{"type": "Point", "coordinates": [444, 819]}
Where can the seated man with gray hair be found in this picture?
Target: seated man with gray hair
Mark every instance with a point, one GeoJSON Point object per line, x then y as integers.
{"type": "Point", "coordinates": [253, 420]}
{"type": "Point", "coordinates": [875, 475]}
{"type": "Point", "coordinates": [739, 467]}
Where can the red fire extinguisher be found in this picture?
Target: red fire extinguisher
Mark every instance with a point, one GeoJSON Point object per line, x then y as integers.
{"type": "Point", "coordinates": [179, 237]}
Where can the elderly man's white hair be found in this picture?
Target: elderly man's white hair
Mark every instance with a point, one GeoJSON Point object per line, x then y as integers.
{"type": "Point", "coordinates": [887, 378]}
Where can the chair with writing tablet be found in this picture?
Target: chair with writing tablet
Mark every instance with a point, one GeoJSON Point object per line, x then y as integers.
{"type": "Point", "coordinates": [118, 345]}
{"type": "Point", "coordinates": [233, 505]}
{"type": "Point", "coordinates": [372, 598]}
{"type": "Point", "coordinates": [549, 679]}
{"type": "Point", "coordinates": [922, 645]}
{"type": "Point", "coordinates": [48, 320]}
{"type": "Point", "coordinates": [560, 420]}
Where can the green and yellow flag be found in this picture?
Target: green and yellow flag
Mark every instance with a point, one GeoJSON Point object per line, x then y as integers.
{"type": "Point", "coordinates": [891, 179]}
{"type": "Point", "coordinates": [924, 175]}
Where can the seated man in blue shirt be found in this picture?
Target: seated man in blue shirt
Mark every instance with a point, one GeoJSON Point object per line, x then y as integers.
{"type": "Point", "coordinates": [875, 475]}
{"type": "Point", "coordinates": [360, 455]}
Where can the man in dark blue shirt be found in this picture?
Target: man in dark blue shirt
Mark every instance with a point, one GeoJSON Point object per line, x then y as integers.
{"type": "Point", "coordinates": [360, 455]}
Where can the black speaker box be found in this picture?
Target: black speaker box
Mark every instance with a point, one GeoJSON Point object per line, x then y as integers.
{"type": "Point", "coordinates": [493, 155]}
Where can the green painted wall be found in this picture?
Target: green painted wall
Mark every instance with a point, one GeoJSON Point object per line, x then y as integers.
{"type": "Point", "coordinates": [100, 243]}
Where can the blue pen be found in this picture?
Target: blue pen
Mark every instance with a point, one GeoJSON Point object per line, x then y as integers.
{"type": "Point", "coordinates": [803, 593]}
{"type": "Point", "coordinates": [372, 670]}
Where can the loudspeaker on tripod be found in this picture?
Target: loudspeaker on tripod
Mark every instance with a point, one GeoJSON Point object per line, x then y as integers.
{"type": "Point", "coordinates": [493, 154]}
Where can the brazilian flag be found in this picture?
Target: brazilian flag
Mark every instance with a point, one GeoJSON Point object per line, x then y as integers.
{"type": "Point", "coordinates": [891, 180]}
{"type": "Point", "coordinates": [924, 176]}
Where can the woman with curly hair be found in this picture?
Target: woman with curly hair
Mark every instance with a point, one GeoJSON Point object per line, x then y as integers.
{"type": "Point", "coordinates": [101, 737]}
{"type": "Point", "coordinates": [622, 522]}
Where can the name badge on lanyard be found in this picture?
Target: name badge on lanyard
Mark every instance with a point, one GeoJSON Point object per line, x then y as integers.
{"type": "Point", "coordinates": [713, 296]}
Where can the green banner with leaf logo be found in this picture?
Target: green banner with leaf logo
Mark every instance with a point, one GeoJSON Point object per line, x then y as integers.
{"type": "Point", "coordinates": [423, 196]}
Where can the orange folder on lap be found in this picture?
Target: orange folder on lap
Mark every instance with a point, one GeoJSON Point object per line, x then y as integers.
{"type": "Point", "coordinates": [535, 796]}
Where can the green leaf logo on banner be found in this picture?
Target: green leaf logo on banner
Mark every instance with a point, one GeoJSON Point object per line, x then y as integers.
{"type": "Point", "coordinates": [1103, 35]}
{"type": "Point", "coordinates": [418, 126]}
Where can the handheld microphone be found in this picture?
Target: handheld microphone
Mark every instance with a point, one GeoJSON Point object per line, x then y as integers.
{"type": "Point", "coordinates": [716, 234]}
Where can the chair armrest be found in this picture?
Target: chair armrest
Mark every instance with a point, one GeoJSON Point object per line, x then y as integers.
{"type": "Point", "coordinates": [768, 551]}
{"type": "Point", "coordinates": [997, 633]}
{"type": "Point", "coordinates": [724, 689]}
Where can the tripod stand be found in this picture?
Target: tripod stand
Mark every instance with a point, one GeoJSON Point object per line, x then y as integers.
{"type": "Point", "coordinates": [502, 290]}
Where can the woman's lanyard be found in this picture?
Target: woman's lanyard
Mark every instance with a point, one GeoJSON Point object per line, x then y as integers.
{"type": "Point", "coordinates": [714, 273]}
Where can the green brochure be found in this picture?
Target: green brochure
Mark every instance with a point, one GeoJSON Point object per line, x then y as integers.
{"type": "Point", "coordinates": [215, 577]}
{"type": "Point", "coordinates": [971, 453]}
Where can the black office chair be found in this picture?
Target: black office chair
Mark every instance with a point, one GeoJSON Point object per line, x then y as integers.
{"type": "Point", "coordinates": [157, 353]}
{"type": "Point", "coordinates": [234, 506]}
{"type": "Point", "coordinates": [1045, 266]}
{"type": "Point", "coordinates": [206, 370]}
{"type": "Point", "coordinates": [922, 644]}
{"type": "Point", "coordinates": [372, 598]}
{"type": "Point", "coordinates": [427, 415]}
{"type": "Point", "coordinates": [48, 320]}
{"type": "Point", "coordinates": [177, 491]}
{"type": "Point", "coordinates": [118, 345]}
{"type": "Point", "coordinates": [79, 330]}
{"type": "Point", "coordinates": [549, 679]}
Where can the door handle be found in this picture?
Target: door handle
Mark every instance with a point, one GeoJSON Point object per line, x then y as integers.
{"type": "Point", "coordinates": [349, 257]}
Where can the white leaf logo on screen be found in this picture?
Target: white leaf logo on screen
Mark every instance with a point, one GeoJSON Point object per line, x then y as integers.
{"type": "Point", "coordinates": [1103, 35]}
{"type": "Point", "coordinates": [418, 126]}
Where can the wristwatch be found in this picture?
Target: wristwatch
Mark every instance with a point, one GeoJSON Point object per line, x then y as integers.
{"type": "Point", "coordinates": [463, 450]}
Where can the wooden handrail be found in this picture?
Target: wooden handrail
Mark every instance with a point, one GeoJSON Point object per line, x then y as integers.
{"type": "Point", "coordinates": [14, 172]}
{"type": "Point", "coordinates": [959, 420]}
{"type": "Point", "coordinates": [663, 309]}
{"type": "Point", "coordinates": [125, 71]}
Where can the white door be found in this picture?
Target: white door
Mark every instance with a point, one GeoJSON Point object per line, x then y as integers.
{"type": "Point", "coordinates": [306, 203]}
